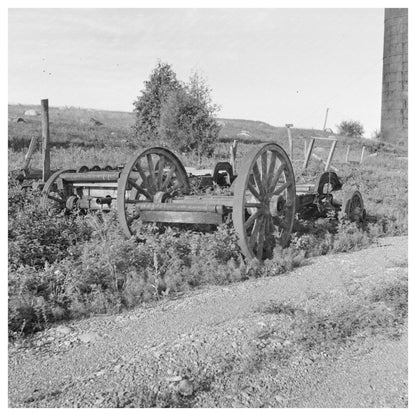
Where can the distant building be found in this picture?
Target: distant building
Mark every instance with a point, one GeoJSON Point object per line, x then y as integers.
{"type": "Point", "coordinates": [395, 77]}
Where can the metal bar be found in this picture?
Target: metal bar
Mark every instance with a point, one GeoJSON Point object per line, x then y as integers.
{"type": "Point", "coordinates": [46, 157]}
{"type": "Point", "coordinates": [331, 155]}
{"type": "Point", "coordinates": [151, 206]}
{"type": "Point", "coordinates": [99, 176]}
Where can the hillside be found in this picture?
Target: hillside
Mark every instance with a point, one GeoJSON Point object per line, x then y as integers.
{"type": "Point", "coordinates": [78, 126]}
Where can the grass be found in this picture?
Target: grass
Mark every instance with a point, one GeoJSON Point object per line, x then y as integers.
{"type": "Point", "coordinates": [64, 268]}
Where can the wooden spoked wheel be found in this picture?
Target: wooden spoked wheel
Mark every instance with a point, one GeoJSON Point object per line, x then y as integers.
{"type": "Point", "coordinates": [55, 194]}
{"type": "Point", "coordinates": [264, 201]}
{"type": "Point", "coordinates": [353, 207]}
{"type": "Point", "coordinates": [153, 176]}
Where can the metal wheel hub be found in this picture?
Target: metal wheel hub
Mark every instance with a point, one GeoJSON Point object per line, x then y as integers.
{"type": "Point", "coordinates": [276, 205]}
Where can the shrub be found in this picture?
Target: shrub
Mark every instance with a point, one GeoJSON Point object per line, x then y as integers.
{"type": "Point", "coordinates": [148, 105]}
{"type": "Point", "coordinates": [351, 128]}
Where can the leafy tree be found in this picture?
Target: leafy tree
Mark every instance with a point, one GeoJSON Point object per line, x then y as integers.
{"type": "Point", "coordinates": [351, 128]}
{"type": "Point", "coordinates": [148, 105]}
{"type": "Point", "coordinates": [187, 118]}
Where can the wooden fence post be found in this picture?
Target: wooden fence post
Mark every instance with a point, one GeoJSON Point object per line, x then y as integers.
{"type": "Point", "coordinates": [347, 155]}
{"type": "Point", "coordinates": [331, 155]}
{"type": "Point", "coordinates": [233, 155]}
{"type": "Point", "coordinates": [30, 152]}
{"type": "Point", "coordinates": [289, 136]}
{"type": "Point", "coordinates": [46, 157]}
{"type": "Point", "coordinates": [362, 154]}
{"type": "Point", "coordinates": [308, 154]}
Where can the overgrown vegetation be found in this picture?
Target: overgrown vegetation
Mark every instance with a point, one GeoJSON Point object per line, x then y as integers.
{"type": "Point", "coordinates": [67, 267]}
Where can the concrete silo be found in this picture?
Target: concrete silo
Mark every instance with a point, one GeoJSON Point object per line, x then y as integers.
{"type": "Point", "coordinates": [395, 78]}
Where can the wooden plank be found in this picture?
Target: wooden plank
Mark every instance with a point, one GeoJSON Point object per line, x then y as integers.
{"type": "Point", "coordinates": [331, 155]}
{"type": "Point", "coordinates": [181, 217]}
{"type": "Point", "coordinates": [362, 154]}
{"type": "Point", "coordinates": [347, 155]}
{"type": "Point", "coordinates": [308, 154]}
{"type": "Point", "coordinates": [30, 152]}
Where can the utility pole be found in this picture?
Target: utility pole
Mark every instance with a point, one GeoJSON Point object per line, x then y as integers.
{"type": "Point", "coordinates": [326, 118]}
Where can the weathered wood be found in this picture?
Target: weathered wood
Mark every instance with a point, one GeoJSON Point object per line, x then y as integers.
{"type": "Point", "coordinates": [315, 156]}
{"type": "Point", "coordinates": [331, 155]}
{"type": "Point", "coordinates": [178, 208]}
{"type": "Point", "coordinates": [309, 152]}
{"type": "Point", "coordinates": [347, 155]}
{"type": "Point", "coordinates": [233, 155]}
{"type": "Point", "coordinates": [29, 154]}
{"type": "Point", "coordinates": [46, 157]}
{"type": "Point", "coordinates": [362, 154]}
{"type": "Point", "coordinates": [289, 136]}
{"type": "Point", "coordinates": [181, 217]}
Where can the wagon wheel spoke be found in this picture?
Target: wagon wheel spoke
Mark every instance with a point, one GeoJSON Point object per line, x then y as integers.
{"type": "Point", "coordinates": [260, 239]}
{"type": "Point", "coordinates": [281, 188]}
{"type": "Point", "coordinates": [271, 170]}
{"type": "Point", "coordinates": [253, 190]}
{"type": "Point", "coordinates": [276, 177]}
{"type": "Point", "coordinates": [54, 198]}
{"type": "Point", "coordinates": [252, 218]}
{"type": "Point", "coordinates": [254, 233]}
{"type": "Point", "coordinates": [257, 178]}
{"type": "Point", "coordinates": [168, 178]}
{"type": "Point", "coordinates": [151, 170]}
{"type": "Point", "coordinates": [161, 166]}
{"type": "Point", "coordinates": [139, 188]}
{"type": "Point", "coordinates": [141, 172]}
{"type": "Point", "coordinates": [264, 170]}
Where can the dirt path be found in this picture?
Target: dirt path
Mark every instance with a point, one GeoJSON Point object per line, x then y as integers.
{"type": "Point", "coordinates": [104, 361]}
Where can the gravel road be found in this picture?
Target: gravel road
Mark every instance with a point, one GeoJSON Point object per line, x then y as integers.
{"type": "Point", "coordinates": [105, 361]}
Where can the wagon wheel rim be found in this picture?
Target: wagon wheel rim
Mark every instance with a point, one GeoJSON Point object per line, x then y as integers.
{"type": "Point", "coordinates": [156, 170]}
{"type": "Point", "coordinates": [353, 206]}
{"type": "Point", "coordinates": [54, 199]}
{"type": "Point", "coordinates": [264, 201]}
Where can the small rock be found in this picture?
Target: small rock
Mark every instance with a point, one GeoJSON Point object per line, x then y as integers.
{"type": "Point", "coordinates": [308, 361]}
{"type": "Point", "coordinates": [286, 343]}
{"type": "Point", "coordinates": [117, 368]}
{"type": "Point", "coordinates": [63, 330]}
{"type": "Point", "coordinates": [50, 339]}
{"type": "Point", "coordinates": [31, 113]}
{"type": "Point", "coordinates": [185, 388]}
{"type": "Point", "coordinates": [100, 373]}
{"type": "Point", "coordinates": [89, 337]}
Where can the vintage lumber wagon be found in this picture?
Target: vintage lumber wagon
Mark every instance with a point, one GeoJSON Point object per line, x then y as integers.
{"type": "Point", "coordinates": [261, 201]}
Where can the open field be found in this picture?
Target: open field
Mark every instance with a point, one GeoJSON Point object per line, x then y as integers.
{"type": "Point", "coordinates": [66, 268]}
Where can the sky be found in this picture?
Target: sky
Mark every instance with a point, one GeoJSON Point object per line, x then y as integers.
{"type": "Point", "coordinates": [274, 65]}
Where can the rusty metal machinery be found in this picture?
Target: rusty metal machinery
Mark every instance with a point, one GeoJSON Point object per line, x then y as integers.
{"type": "Point", "coordinates": [154, 186]}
